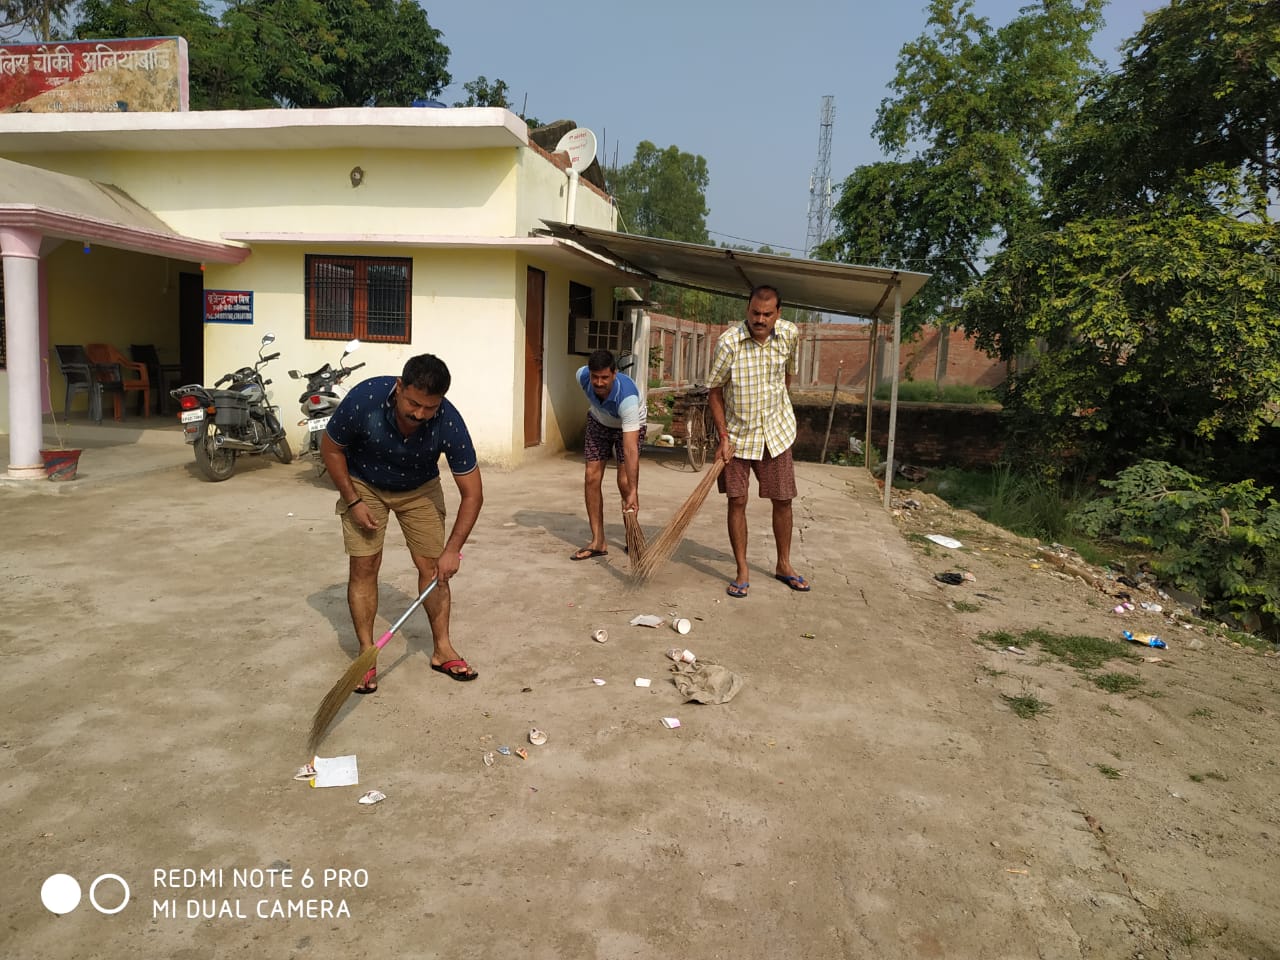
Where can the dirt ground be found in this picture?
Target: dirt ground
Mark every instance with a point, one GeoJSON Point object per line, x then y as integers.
{"type": "Point", "coordinates": [869, 793]}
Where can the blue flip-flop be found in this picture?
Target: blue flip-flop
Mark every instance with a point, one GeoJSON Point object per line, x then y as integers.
{"type": "Point", "coordinates": [737, 590]}
{"type": "Point", "coordinates": [796, 582]}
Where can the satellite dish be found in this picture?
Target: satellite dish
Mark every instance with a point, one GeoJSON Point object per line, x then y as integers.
{"type": "Point", "coordinates": [580, 144]}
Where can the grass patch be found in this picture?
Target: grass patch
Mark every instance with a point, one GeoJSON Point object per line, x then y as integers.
{"type": "Point", "coordinates": [1026, 705]}
{"type": "Point", "coordinates": [1108, 708]}
{"type": "Point", "coordinates": [1207, 775]}
{"type": "Point", "coordinates": [1248, 640]}
{"type": "Point", "coordinates": [928, 391]}
{"type": "Point", "coordinates": [1078, 650]}
{"type": "Point", "coordinates": [1028, 505]}
{"type": "Point", "coordinates": [964, 606]}
{"type": "Point", "coordinates": [991, 672]}
{"type": "Point", "coordinates": [1111, 773]}
{"type": "Point", "coordinates": [1203, 713]}
{"type": "Point", "coordinates": [996, 639]}
{"type": "Point", "coordinates": [1116, 682]}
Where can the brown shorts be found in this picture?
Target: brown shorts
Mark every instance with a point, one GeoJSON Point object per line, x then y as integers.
{"type": "Point", "coordinates": [776, 475]}
{"type": "Point", "coordinates": [419, 512]}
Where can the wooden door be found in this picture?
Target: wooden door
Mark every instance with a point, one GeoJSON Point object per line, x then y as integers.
{"type": "Point", "coordinates": [535, 291]}
{"type": "Point", "coordinates": [191, 326]}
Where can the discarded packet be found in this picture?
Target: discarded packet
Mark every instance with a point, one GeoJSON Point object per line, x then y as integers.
{"type": "Point", "coordinates": [522, 753]}
{"type": "Point", "coordinates": [670, 723]}
{"type": "Point", "coordinates": [305, 772]}
{"type": "Point", "coordinates": [372, 797]}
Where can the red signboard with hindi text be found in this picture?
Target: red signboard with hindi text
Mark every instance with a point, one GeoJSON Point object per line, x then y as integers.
{"type": "Point", "coordinates": [94, 76]}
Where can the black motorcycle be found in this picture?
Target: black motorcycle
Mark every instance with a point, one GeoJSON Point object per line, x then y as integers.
{"type": "Point", "coordinates": [222, 424]}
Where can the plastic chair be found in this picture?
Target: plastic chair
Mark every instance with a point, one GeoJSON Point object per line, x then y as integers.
{"type": "Point", "coordinates": [112, 368]}
{"type": "Point", "coordinates": [78, 372]}
{"type": "Point", "coordinates": [161, 374]}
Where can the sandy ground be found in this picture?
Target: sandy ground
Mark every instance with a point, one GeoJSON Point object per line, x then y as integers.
{"type": "Point", "coordinates": [869, 793]}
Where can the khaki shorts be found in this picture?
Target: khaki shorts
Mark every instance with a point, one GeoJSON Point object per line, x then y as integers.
{"type": "Point", "coordinates": [419, 512]}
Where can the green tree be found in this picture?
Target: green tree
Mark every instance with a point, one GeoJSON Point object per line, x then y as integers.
{"type": "Point", "coordinates": [222, 73]}
{"type": "Point", "coordinates": [662, 193]}
{"type": "Point", "coordinates": [303, 53]}
{"type": "Point", "coordinates": [1150, 294]}
{"type": "Point", "coordinates": [1155, 335]}
{"type": "Point", "coordinates": [43, 19]}
{"type": "Point", "coordinates": [482, 93]}
{"type": "Point", "coordinates": [1193, 111]}
{"type": "Point", "coordinates": [972, 111]}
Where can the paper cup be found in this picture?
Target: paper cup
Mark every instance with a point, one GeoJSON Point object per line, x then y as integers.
{"type": "Point", "coordinates": [681, 625]}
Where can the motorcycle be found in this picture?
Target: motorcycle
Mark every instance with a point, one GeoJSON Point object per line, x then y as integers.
{"type": "Point", "coordinates": [323, 394]}
{"type": "Point", "coordinates": [222, 424]}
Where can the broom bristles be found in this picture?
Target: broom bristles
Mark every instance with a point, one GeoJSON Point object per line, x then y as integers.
{"type": "Point", "coordinates": [664, 545]}
{"type": "Point", "coordinates": [636, 545]}
{"type": "Point", "coordinates": [338, 694]}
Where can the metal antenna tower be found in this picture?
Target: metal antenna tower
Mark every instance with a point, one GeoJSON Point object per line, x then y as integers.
{"type": "Point", "coordinates": [820, 181]}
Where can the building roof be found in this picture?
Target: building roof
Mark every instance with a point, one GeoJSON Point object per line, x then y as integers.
{"type": "Point", "coordinates": [841, 288]}
{"type": "Point", "coordinates": [412, 128]}
{"type": "Point", "coordinates": [73, 208]}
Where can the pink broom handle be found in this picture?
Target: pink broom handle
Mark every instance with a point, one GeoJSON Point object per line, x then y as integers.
{"type": "Point", "coordinates": [386, 637]}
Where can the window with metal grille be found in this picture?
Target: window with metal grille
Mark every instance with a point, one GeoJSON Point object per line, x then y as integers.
{"type": "Point", "coordinates": [364, 297]}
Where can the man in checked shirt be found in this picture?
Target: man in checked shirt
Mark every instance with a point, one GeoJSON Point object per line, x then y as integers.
{"type": "Point", "coordinates": [750, 375]}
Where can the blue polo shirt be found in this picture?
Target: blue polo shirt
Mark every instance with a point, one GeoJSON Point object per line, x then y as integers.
{"type": "Point", "coordinates": [383, 457]}
{"type": "Point", "coordinates": [621, 408]}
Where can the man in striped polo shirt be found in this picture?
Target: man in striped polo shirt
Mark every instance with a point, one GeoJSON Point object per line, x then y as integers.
{"type": "Point", "coordinates": [750, 377]}
{"type": "Point", "coordinates": [615, 427]}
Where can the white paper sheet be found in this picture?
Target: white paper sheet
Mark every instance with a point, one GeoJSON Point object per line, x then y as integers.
{"type": "Point", "coordinates": [647, 620]}
{"type": "Point", "coordinates": [336, 772]}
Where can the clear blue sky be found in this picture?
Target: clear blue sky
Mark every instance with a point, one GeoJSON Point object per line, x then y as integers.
{"type": "Point", "coordinates": [738, 81]}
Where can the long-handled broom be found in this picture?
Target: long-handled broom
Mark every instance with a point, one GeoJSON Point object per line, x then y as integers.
{"type": "Point", "coordinates": [659, 551]}
{"type": "Point", "coordinates": [337, 696]}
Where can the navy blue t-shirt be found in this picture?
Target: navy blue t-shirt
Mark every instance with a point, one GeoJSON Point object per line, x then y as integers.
{"type": "Point", "coordinates": [383, 457]}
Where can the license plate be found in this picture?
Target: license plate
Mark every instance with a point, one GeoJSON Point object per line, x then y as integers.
{"type": "Point", "coordinates": [318, 424]}
{"type": "Point", "coordinates": [192, 416]}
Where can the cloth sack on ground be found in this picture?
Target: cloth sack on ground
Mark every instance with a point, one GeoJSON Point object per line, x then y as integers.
{"type": "Point", "coordinates": [706, 682]}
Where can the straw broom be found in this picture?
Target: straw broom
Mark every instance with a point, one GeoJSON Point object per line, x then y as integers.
{"type": "Point", "coordinates": [635, 537]}
{"type": "Point", "coordinates": [338, 694]}
{"type": "Point", "coordinates": [664, 545]}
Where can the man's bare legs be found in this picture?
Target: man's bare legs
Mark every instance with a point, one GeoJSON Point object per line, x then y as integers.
{"type": "Point", "coordinates": [595, 505]}
{"type": "Point", "coordinates": [362, 601]}
{"type": "Point", "coordinates": [738, 535]}
{"type": "Point", "coordinates": [782, 522]}
{"type": "Point", "coordinates": [437, 607]}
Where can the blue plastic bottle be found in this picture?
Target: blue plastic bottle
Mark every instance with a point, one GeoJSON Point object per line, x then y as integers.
{"type": "Point", "coordinates": [1147, 640]}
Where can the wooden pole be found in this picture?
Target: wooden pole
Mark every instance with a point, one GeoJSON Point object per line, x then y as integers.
{"type": "Point", "coordinates": [893, 396]}
{"type": "Point", "coordinates": [831, 414]}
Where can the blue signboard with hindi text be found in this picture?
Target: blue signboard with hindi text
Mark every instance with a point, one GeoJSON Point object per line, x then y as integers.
{"type": "Point", "coordinates": [228, 306]}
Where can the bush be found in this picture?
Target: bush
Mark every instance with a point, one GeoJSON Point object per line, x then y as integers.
{"type": "Point", "coordinates": [1220, 541]}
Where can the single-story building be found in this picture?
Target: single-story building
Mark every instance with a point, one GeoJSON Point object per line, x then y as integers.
{"type": "Point", "coordinates": [408, 228]}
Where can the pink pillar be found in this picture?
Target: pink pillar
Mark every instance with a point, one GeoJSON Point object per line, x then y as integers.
{"type": "Point", "coordinates": [20, 250]}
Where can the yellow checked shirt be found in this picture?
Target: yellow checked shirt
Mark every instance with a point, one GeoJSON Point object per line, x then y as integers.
{"type": "Point", "coordinates": [757, 407]}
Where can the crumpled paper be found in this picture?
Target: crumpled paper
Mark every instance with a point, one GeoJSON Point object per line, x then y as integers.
{"type": "Point", "coordinates": [706, 682]}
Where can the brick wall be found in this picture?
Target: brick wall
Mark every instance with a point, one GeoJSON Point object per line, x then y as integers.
{"type": "Point", "coordinates": [829, 347]}
{"type": "Point", "coordinates": [928, 434]}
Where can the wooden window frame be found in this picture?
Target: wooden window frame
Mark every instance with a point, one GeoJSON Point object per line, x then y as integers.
{"type": "Point", "coordinates": [359, 297]}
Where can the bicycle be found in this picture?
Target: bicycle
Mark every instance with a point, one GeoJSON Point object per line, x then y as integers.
{"type": "Point", "coordinates": [700, 436]}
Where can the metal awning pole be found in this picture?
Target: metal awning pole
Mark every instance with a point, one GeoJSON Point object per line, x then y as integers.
{"type": "Point", "coordinates": [893, 395]}
{"type": "Point", "coordinates": [870, 391]}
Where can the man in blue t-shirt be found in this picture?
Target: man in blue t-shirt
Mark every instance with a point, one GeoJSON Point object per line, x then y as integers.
{"type": "Point", "coordinates": [615, 427]}
{"type": "Point", "coordinates": [382, 448]}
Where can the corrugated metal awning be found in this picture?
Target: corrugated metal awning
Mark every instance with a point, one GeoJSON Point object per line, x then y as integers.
{"type": "Point", "coordinates": [808, 284]}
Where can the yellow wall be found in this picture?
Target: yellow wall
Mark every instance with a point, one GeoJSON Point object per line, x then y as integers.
{"type": "Point", "coordinates": [109, 296]}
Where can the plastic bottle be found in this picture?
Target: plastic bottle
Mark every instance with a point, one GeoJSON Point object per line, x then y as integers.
{"type": "Point", "coordinates": [1146, 639]}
